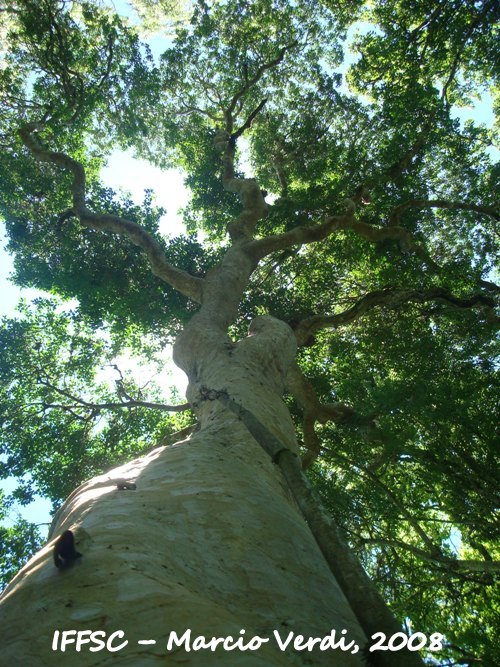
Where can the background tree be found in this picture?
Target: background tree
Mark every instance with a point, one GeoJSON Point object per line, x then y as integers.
{"type": "Point", "coordinates": [368, 231]}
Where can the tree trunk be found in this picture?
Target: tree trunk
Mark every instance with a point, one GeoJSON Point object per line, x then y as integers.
{"type": "Point", "coordinates": [210, 540]}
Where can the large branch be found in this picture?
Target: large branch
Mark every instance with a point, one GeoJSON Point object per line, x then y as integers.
{"type": "Point", "coordinates": [491, 211]}
{"type": "Point", "coordinates": [180, 280]}
{"type": "Point", "coordinates": [302, 235]}
{"type": "Point", "coordinates": [315, 411]}
{"type": "Point", "coordinates": [254, 206]}
{"type": "Point", "coordinates": [299, 235]}
{"type": "Point", "coordinates": [391, 298]}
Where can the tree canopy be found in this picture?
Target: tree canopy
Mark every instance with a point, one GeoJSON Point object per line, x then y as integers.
{"type": "Point", "coordinates": [375, 241]}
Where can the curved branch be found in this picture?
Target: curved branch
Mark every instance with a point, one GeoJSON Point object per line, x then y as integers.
{"type": "Point", "coordinates": [391, 298]}
{"type": "Point", "coordinates": [491, 211]}
{"type": "Point", "coordinates": [315, 411]}
{"type": "Point", "coordinates": [299, 235]}
{"type": "Point", "coordinates": [302, 235]}
{"type": "Point", "coordinates": [180, 280]}
{"type": "Point", "coordinates": [251, 196]}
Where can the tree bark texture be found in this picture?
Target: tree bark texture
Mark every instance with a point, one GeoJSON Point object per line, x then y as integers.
{"type": "Point", "coordinates": [211, 539]}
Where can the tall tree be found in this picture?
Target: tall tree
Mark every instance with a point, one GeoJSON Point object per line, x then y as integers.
{"type": "Point", "coordinates": [335, 314]}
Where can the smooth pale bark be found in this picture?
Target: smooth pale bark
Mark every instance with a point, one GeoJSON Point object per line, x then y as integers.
{"type": "Point", "coordinates": [211, 539]}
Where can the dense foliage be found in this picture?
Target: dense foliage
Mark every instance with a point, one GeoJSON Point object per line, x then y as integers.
{"type": "Point", "coordinates": [394, 314]}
